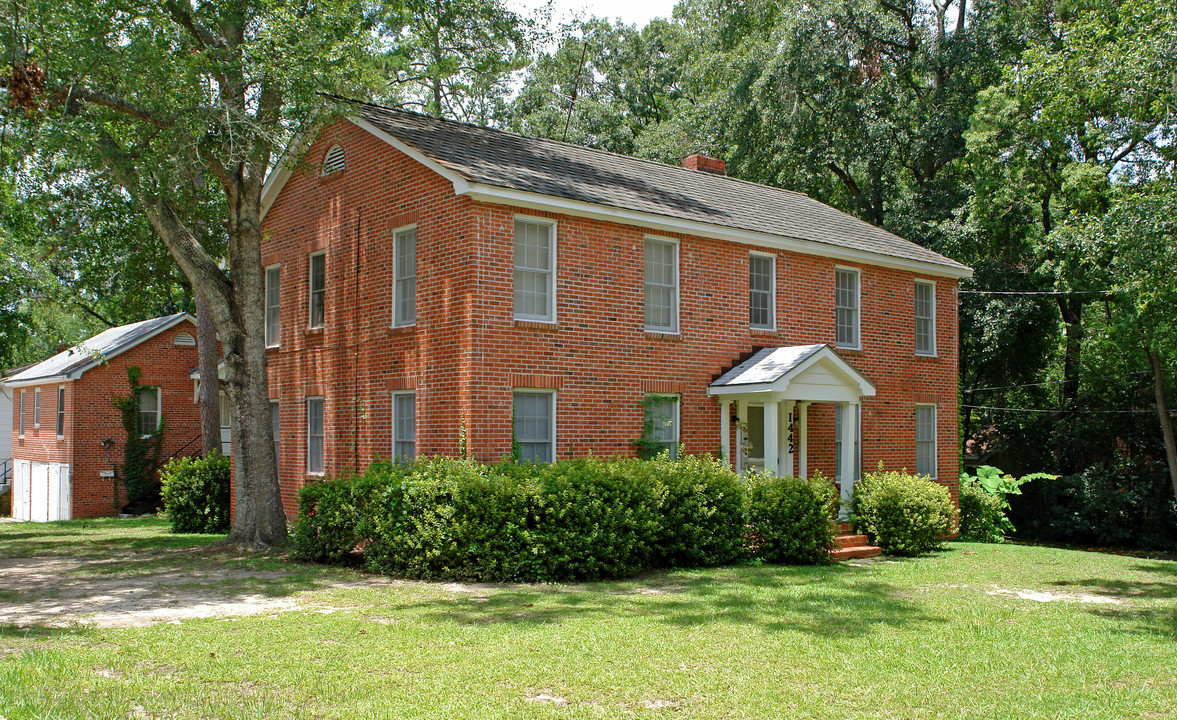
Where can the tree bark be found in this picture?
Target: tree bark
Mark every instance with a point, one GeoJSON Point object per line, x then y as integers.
{"type": "Point", "coordinates": [1072, 313]}
{"type": "Point", "coordinates": [210, 384]}
{"type": "Point", "coordinates": [1158, 377]}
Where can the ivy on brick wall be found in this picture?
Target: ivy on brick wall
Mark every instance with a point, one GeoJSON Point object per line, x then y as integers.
{"type": "Point", "coordinates": [141, 452]}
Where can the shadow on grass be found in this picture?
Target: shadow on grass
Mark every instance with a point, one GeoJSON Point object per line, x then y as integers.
{"type": "Point", "coordinates": [96, 537]}
{"type": "Point", "coordinates": [1151, 605]}
{"type": "Point", "coordinates": [830, 602]}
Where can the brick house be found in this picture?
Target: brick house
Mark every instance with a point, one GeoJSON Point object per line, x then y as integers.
{"type": "Point", "coordinates": [67, 435]}
{"type": "Point", "coordinates": [434, 287]}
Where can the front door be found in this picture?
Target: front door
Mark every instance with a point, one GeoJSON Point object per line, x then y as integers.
{"type": "Point", "coordinates": [754, 438]}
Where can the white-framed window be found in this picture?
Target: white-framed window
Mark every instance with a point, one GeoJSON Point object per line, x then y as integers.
{"type": "Point", "coordinates": [273, 305]}
{"type": "Point", "coordinates": [761, 291]}
{"type": "Point", "coordinates": [925, 440]}
{"type": "Point", "coordinates": [535, 424]}
{"type": "Point", "coordinates": [37, 408]}
{"type": "Point", "coordinates": [61, 411]}
{"type": "Point", "coordinates": [149, 410]}
{"type": "Point", "coordinates": [317, 282]}
{"type": "Point", "coordinates": [404, 426]}
{"type": "Point", "coordinates": [839, 411]}
{"type": "Point", "coordinates": [661, 285]}
{"type": "Point", "coordinates": [925, 317]}
{"type": "Point", "coordinates": [275, 425]}
{"type": "Point", "coordinates": [22, 414]}
{"type": "Point", "coordinates": [535, 270]}
{"type": "Point", "coordinates": [404, 277]}
{"type": "Point", "coordinates": [846, 304]}
{"type": "Point", "coordinates": [662, 422]}
{"type": "Point", "coordinates": [314, 436]}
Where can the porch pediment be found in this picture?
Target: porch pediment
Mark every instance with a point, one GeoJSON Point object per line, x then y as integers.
{"type": "Point", "coordinates": [806, 373]}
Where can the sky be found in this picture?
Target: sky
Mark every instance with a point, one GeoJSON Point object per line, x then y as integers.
{"type": "Point", "coordinates": [635, 12]}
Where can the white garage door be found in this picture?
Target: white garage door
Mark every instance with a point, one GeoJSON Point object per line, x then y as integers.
{"type": "Point", "coordinates": [21, 488]}
{"type": "Point", "coordinates": [39, 498]}
{"type": "Point", "coordinates": [58, 491]}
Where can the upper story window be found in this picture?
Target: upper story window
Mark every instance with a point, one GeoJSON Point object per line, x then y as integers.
{"type": "Point", "coordinates": [273, 306]}
{"type": "Point", "coordinates": [925, 440]}
{"type": "Point", "coordinates": [535, 425]}
{"type": "Point", "coordinates": [315, 435]}
{"type": "Point", "coordinates": [404, 427]}
{"type": "Point", "coordinates": [925, 318]}
{"type": "Point", "coordinates": [761, 291]}
{"type": "Point", "coordinates": [404, 277]}
{"type": "Point", "coordinates": [662, 422]}
{"type": "Point", "coordinates": [149, 410]}
{"type": "Point", "coordinates": [61, 411]}
{"type": "Point", "coordinates": [661, 285]}
{"type": "Point", "coordinates": [535, 270]}
{"type": "Point", "coordinates": [318, 289]}
{"type": "Point", "coordinates": [847, 308]}
{"type": "Point", "coordinates": [22, 413]}
{"type": "Point", "coordinates": [333, 161]}
{"type": "Point", "coordinates": [37, 408]}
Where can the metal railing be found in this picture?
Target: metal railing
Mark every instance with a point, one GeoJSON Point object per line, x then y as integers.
{"type": "Point", "coordinates": [6, 472]}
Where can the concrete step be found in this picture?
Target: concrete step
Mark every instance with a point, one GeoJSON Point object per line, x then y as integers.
{"type": "Point", "coordinates": [847, 541]}
{"type": "Point", "coordinates": [854, 553]}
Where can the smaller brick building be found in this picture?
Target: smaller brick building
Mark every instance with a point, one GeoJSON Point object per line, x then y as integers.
{"type": "Point", "coordinates": [67, 436]}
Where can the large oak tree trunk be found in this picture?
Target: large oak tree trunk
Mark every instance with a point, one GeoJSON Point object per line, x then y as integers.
{"type": "Point", "coordinates": [1158, 377]}
{"type": "Point", "coordinates": [206, 346]}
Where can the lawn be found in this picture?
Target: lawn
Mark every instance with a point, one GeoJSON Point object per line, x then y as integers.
{"type": "Point", "coordinates": [976, 631]}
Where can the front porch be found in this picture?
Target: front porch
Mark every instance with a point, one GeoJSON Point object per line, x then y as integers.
{"type": "Point", "coordinates": [764, 410]}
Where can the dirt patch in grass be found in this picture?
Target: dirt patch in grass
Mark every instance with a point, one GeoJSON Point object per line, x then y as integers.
{"type": "Point", "coordinates": [60, 592]}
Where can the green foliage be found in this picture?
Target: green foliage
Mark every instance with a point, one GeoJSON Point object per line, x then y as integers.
{"type": "Point", "coordinates": [573, 519]}
{"type": "Point", "coordinates": [901, 513]}
{"type": "Point", "coordinates": [792, 519]}
{"type": "Point", "coordinates": [1124, 502]}
{"type": "Point", "coordinates": [982, 514]}
{"type": "Point", "coordinates": [195, 493]}
{"type": "Point", "coordinates": [141, 452]}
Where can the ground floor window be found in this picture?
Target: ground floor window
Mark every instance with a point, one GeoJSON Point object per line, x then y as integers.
{"type": "Point", "coordinates": [315, 435]}
{"type": "Point", "coordinates": [535, 425]}
{"type": "Point", "coordinates": [662, 422]}
{"type": "Point", "coordinates": [925, 440]}
{"type": "Point", "coordinates": [404, 426]}
{"type": "Point", "coordinates": [839, 411]}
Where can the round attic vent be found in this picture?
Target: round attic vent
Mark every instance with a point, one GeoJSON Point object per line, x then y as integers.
{"type": "Point", "coordinates": [184, 340]}
{"type": "Point", "coordinates": [333, 161]}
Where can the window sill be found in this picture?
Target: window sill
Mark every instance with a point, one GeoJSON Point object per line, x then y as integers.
{"type": "Point", "coordinates": [550, 325]}
{"type": "Point", "coordinates": [851, 350]}
{"type": "Point", "coordinates": [663, 335]}
{"type": "Point", "coordinates": [764, 331]}
{"type": "Point", "coordinates": [273, 348]}
{"type": "Point", "coordinates": [402, 329]}
{"type": "Point", "coordinates": [924, 356]}
{"type": "Point", "coordinates": [313, 334]}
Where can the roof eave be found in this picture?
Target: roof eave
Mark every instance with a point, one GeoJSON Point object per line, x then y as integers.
{"type": "Point", "coordinates": [535, 201]}
{"type": "Point", "coordinates": [46, 380]}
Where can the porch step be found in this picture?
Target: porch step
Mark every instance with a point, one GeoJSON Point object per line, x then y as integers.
{"type": "Point", "coordinates": [847, 547]}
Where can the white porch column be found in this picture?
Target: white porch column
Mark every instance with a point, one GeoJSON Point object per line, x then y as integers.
{"type": "Point", "coordinates": [803, 443]}
{"type": "Point", "coordinates": [742, 416]}
{"type": "Point", "coordinates": [788, 437]}
{"type": "Point", "coordinates": [848, 430]}
{"type": "Point", "coordinates": [772, 448]}
{"type": "Point", "coordinates": [725, 431]}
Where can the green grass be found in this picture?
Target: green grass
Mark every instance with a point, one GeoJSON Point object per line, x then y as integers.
{"type": "Point", "coordinates": [919, 638]}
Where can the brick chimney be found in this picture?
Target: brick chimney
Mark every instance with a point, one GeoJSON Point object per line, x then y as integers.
{"type": "Point", "coordinates": [698, 161]}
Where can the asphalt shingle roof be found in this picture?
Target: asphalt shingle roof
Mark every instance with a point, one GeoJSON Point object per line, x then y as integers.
{"type": "Point", "coordinates": [563, 170]}
{"type": "Point", "coordinates": [767, 365]}
{"type": "Point", "coordinates": [92, 351]}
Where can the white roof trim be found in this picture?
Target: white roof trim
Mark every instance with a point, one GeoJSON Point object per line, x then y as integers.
{"type": "Point", "coordinates": [779, 387]}
{"type": "Point", "coordinates": [547, 203]}
{"type": "Point", "coordinates": [77, 372]}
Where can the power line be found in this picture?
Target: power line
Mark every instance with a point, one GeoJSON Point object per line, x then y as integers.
{"type": "Point", "coordinates": [1056, 410]}
{"type": "Point", "coordinates": [1041, 293]}
{"type": "Point", "coordinates": [1052, 382]}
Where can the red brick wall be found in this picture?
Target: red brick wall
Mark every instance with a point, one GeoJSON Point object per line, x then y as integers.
{"type": "Point", "coordinates": [466, 353]}
{"type": "Point", "coordinates": [91, 418]}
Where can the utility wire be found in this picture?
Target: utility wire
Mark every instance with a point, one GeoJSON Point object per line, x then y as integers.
{"type": "Point", "coordinates": [1041, 293]}
{"type": "Point", "coordinates": [1041, 410]}
{"type": "Point", "coordinates": [1051, 382]}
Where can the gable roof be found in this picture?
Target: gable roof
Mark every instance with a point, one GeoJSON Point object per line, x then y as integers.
{"type": "Point", "coordinates": [498, 166]}
{"type": "Point", "coordinates": [773, 369]}
{"type": "Point", "coordinates": [69, 364]}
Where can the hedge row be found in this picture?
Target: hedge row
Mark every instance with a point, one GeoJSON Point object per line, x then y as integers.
{"type": "Point", "coordinates": [574, 519]}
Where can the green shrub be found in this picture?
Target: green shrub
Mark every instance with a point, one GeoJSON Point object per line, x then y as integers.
{"type": "Point", "coordinates": [982, 514]}
{"type": "Point", "coordinates": [195, 493]}
{"type": "Point", "coordinates": [327, 519]}
{"type": "Point", "coordinates": [791, 518]}
{"type": "Point", "coordinates": [901, 513]}
{"type": "Point", "coordinates": [702, 515]}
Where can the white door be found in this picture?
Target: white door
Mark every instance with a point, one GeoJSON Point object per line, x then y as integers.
{"type": "Point", "coordinates": [59, 492]}
{"type": "Point", "coordinates": [20, 490]}
{"type": "Point", "coordinates": [39, 497]}
{"type": "Point", "coordinates": [226, 425]}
